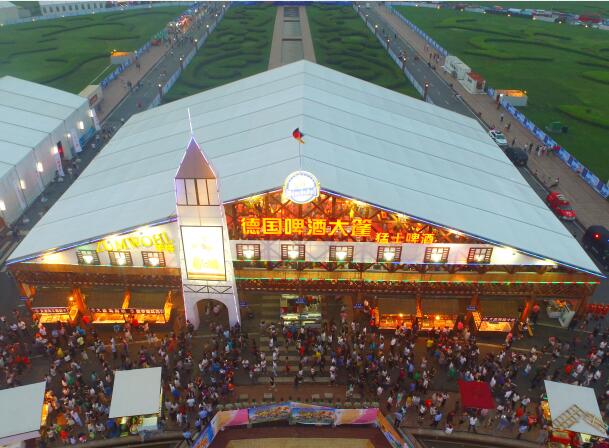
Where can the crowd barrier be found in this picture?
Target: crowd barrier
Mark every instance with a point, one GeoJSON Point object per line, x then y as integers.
{"type": "Point", "coordinates": [590, 178]}
{"type": "Point", "coordinates": [419, 88]}
{"type": "Point", "coordinates": [298, 413]}
{"type": "Point", "coordinates": [121, 68]}
{"type": "Point", "coordinates": [187, 60]}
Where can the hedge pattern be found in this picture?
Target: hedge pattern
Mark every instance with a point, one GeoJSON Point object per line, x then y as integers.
{"type": "Point", "coordinates": [71, 52]}
{"type": "Point", "coordinates": [343, 42]}
{"type": "Point", "coordinates": [564, 69]}
{"type": "Point", "coordinates": [239, 47]}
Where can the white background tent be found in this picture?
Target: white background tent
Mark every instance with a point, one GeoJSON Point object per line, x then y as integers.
{"type": "Point", "coordinates": [136, 392]}
{"type": "Point", "coordinates": [20, 412]}
{"type": "Point", "coordinates": [562, 397]}
{"type": "Point", "coordinates": [33, 120]}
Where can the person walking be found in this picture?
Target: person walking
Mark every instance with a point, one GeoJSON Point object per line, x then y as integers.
{"type": "Point", "coordinates": [473, 421]}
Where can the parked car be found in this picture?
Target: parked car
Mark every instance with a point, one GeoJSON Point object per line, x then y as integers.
{"type": "Point", "coordinates": [596, 240]}
{"type": "Point", "coordinates": [518, 156]}
{"type": "Point", "coordinates": [561, 206]}
{"type": "Point", "coordinates": [498, 137]}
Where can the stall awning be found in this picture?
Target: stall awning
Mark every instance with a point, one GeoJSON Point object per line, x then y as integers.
{"type": "Point", "coordinates": [21, 412]}
{"type": "Point", "coordinates": [476, 394]}
{"type": "Point", "coordinates": [148, 298]}
{"type": "Point", "coordinates": [103, 298]}
{"type": "Point", "coordinates": [136, 392]}
{"type": "Point", "coordinates": [443, 305]}
{"type": "Point", "coordinates": [497, 307]}
{"type": "Point", "coordinates": [575, 408]}
{"type": "Point", "coordinates": [51, 297]}
{"type": "Point", "coordinates": [397, 305]}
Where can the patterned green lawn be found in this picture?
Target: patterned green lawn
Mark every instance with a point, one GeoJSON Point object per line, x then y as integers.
{"type": "Point", "coordinates": [563, 68]}
{"type": "Point", "coordinates": [239, 47]}
{"type": "Point", "coordinates": [343, 42]}
{"type": "Point", "coordinates": [71, 52]}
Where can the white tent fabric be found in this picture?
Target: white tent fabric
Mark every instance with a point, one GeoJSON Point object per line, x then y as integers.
{"type": "Point", "coordinates": [33, 118]}
{"type": "Point", "coordinates": [136, 392]}
{"type": "Point", "coordinates": [574, 408]}
{"type": "Point", "coordinates": [20, 412]}
{"type": "Point", "coordinates": [362, 141]}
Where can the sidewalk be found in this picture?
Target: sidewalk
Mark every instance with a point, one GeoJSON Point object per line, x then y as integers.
{"type": "Point", "coordinates": [590, 207]}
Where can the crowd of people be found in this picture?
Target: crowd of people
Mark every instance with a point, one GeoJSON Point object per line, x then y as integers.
{"type": "Point", "coordinates": [407, 371]}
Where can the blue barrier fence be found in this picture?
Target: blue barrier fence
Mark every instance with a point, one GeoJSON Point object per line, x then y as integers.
{"type": "Point", "coordinates": [591, 179]}
{"type": "Point", "coordinates": [187, 60]}
{"type": "Point", "coordinates": [394, 57]}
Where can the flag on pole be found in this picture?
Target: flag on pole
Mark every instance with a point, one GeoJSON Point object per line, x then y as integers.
{"type": "Point", "coordinates": [298, 135]}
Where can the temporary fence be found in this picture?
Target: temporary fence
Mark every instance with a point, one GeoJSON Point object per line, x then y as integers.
{"type": "Point", "coordinates": [297, 413]}
{"type": "Point", "coordinates": [137, 54]}
{"type": "Point", "coordinates": [419, 88]}
{"type": "Point", "coordinates": [187, 60]}
{"type": "Point", "coordinates": [590, 178]}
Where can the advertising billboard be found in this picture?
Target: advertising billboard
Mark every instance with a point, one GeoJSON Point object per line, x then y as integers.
{"type": "Point", "coordinates": [203, 252]}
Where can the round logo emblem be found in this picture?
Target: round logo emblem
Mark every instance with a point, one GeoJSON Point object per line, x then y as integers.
{"type": "Point", "coordinates": [301, 187]}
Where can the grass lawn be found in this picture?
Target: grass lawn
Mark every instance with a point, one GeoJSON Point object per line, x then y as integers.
{"type": "Point", "coordinates": [343, 42]}
{"type": "Point", "coordinates": [563, 68]}
{"type": "Point", "coordinates": [239, 47]}
{"type": "Point", "coordinates": [71, 52]}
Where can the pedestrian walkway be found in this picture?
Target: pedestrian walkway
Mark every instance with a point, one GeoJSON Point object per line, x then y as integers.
{"type": "Point", "coordinates": [291, 37]}
{"type": "Point", "coordinates": [118, 89]}
{"type": "Point", "coordinates": [590, 207]}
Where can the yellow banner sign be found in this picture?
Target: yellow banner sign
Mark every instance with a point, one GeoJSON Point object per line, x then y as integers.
{"type": "Point", "coordinates": [161, 242]}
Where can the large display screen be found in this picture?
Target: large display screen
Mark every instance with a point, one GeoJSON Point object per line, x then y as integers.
{"type": "Point", "coordinates": [204, 253]}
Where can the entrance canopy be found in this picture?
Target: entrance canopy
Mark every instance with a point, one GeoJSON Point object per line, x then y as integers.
{"type": "Point", "coordinates": [575, 408]}
{"type": "Point", "coordinates": [476, 394]}
{"type": "Point", "coordinates": [136, 392]}
{"type": "Point", "coordinates": [21, 412]}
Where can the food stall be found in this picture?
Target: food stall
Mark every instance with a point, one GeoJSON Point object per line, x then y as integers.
{"type": "Point", "coordinates": [562, 310]}
{"type": "Point", "coordinates": [573, 414]}
{"type": "Point", "coordinates": [438, 312]}
{"type": "Point", "coordinates": [496, 315]}
{"type": "Point", "coordinates": [394, 312]}
{"type": "Point", "coordinates": [136, 399]}
{"type": "Point", "coordinates": [149, 305]}
{"type": "Point", "coordinates": [300, 311]}
{"type": "Point", "coordinates": [50, 305]}
{"type": "Point", "coordinates": [105, 306]}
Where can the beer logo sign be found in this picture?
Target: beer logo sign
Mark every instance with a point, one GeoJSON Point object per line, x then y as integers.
{"type": "Point", "coordinates": [301, 187]}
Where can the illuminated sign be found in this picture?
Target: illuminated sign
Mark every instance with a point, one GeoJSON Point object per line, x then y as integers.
{"type": "Point", "coordinates": [203, 253]}
{"type": "Point", "coordinates": [160, 241]}
{"type": "Point", "coordinates": [321, 227]}
{"type": "Point", "coordinates": [301, 187]}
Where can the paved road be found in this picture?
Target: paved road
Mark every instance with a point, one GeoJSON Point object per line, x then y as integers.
{"type": "Point", "coordinates": [439, 92]}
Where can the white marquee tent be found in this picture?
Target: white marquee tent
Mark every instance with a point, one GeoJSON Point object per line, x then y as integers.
{"type": "Point", "coordinates": [33, 120]}
{"type": "Point", "coordinates": [21, 412]}
{"type": "Point", "coordinates": [363, 141]}
{"type": "Point", "coordinates": [136, 392]}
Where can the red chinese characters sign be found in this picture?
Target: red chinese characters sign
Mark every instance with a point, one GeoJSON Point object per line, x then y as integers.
{"type": "Point", "coordinates": [332, 229]}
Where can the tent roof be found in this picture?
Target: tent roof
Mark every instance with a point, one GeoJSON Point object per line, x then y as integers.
{"type": "Point", "coordinates": [20, 412]}
{"type": "Point", "coordinates": [566, 405]}
{"type": "Point", "coordinates": [136, 392]}
{"type": "Point", "coordinates": [476, 394]}
{"type": "Point", "coordinates": [362, 141]}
